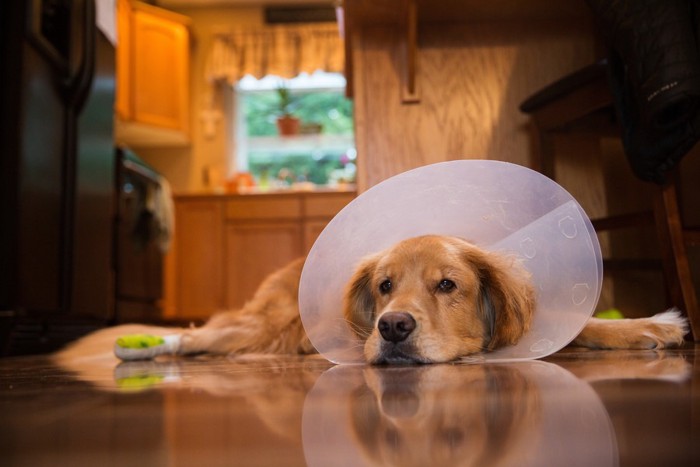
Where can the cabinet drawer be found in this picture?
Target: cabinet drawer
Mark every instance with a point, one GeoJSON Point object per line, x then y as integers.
{"type": "Point", "coordinates": [326, 205]}
{"type": "Point", "coordinates": [255, 209]}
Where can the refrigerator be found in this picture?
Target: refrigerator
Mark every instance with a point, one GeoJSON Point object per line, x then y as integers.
{"type": "Point", "coordinates": [57, 171]}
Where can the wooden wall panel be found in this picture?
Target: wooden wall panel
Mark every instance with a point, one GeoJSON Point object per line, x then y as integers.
{"type": "Point", "coordinates": [471, 80]}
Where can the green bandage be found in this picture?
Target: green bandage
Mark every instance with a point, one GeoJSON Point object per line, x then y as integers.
{"type": "Point", "coordinates": [136, 383]}
{"type": "Point", "coordinates": [139, 341]}
{"type": "Point", "coordinates": [146, 346]}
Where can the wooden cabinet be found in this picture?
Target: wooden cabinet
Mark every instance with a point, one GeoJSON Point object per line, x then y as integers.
{"type": "Point", "coordinates": [226, 245]}
{"type": "Point", "coordinates": [262, 234]}
{"type": "Point", "coordinates": [312, 229]}
{"type": "Point", "coordinates": [253, 250]}
{"type": "Point", "coordinates": [318, 211]}
{"type": "Point", "coordinates": [152, 76]}
{"type": "Point", "coordinates": [199, 275]}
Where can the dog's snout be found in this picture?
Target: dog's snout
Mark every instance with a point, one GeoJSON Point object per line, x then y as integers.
{"type": "Point", "coordinates": [396, 326]}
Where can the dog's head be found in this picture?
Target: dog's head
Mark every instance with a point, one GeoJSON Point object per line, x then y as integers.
{"type": "Point", "coordinates": [445, 415]}
{"type": "Point", "coordinates": [436, 298]}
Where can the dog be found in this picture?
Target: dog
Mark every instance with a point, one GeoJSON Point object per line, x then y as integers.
{"type": "Point", "coordinates": [427, 299]}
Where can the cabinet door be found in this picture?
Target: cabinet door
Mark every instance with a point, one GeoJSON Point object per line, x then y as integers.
{"type": "Point", "coordinates": [254, 250]}
{"type": "Point", "coordinates": [160, 71]}
{"type": "Point", "coordinates": [199, 285]}
{"type": "Point", "coordinates": [312, 229]}
{"type": "Point", "coordinates": [319, 209]}
{"type": "Point", "coordinates": [157, 68]}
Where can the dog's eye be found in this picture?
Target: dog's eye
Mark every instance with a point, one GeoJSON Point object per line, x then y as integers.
{"type": "Point", "coordinates": [446, 285]}
{"type": "Point", "coordinates": [385, 287]}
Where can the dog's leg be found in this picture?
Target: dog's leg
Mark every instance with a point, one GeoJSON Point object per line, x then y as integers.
{"type": "Point", "coordinates": [219, 340]}
{"type": "Point", "coordinates": [246, 333]}
{"type": "Point", "coordinates": [269, 323]}
{"type": "Point", "coordinates": [234, 336]}
{"type": "Point", "coordinates": [660, 331]}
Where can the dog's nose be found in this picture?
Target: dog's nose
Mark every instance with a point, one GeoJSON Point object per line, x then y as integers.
{"type": "Point", "coordinates": [395, 326]}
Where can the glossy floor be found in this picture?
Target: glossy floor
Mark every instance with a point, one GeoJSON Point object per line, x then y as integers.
{"type": "Point", "coordinates": [585, 408]}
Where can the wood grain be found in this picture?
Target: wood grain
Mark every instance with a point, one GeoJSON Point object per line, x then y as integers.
{"type": "Point", "coordinates": [226, 245]}
{"type": "Point", "coordinates": [472, 79]}
{"type": "Point", "coordinates": [199, 269]}
{"type": "Point", "coordinates": [252, 251]}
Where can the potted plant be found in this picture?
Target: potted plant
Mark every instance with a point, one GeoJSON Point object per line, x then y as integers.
{"type": "Point", "coordinates": [287, 123]}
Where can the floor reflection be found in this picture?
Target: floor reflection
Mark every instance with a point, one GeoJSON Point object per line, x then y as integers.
{"type": "Point", "coordinates": [527, 413]}
{"type": "Point", "coordinates": [91, 410]}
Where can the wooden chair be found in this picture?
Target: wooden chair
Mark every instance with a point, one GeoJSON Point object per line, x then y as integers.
{"type": "Point", "coordinates": [584, 98]}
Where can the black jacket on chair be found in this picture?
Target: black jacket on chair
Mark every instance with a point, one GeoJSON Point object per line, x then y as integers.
{"type": "Point", "coordinates": [654, 67]}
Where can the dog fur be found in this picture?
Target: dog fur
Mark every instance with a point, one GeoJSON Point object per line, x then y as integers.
{"type": "Point", "coordinates": [461, 300]}
{"type": "Point", "coordinates": [427, 299]}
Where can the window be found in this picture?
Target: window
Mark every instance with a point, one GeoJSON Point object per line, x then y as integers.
{"type": "Point", "coordinates": [322, 151]}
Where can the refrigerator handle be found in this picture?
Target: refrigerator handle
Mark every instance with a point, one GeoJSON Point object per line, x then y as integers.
{"type": "Point", "coordinates": [79, 81]}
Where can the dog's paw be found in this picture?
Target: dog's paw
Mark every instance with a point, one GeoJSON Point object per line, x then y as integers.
{"type": "Point", "coordinates": [663, 330]}
{"type": "Point", "coordinates": [145, 346]}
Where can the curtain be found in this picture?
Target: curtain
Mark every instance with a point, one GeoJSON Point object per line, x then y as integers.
{"type": "Point", "coordinates": [285, 51]}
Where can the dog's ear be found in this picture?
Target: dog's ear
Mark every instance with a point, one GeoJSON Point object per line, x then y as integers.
{"type": "Point", "coordinates": [506, 298]}
{"type": "Point", "coordinates": [358, 307]}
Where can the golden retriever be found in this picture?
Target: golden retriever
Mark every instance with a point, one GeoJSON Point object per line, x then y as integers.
{"type": "Point", "coordinates": [427, 299]}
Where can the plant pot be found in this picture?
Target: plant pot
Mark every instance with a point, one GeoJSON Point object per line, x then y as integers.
{"type": "Point", "coordinates": [288, 125]}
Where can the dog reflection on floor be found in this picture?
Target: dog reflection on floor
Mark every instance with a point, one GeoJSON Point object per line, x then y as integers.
{"type": "Point", "coordinates": [494, 414]}
{"type": "Point", "coordinates": [439, 416]}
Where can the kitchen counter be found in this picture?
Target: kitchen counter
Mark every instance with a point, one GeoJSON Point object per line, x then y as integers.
{"type": "Point", "coordinates": [298, 189]}
{"type": "Point", "coordinates": [226, 244]}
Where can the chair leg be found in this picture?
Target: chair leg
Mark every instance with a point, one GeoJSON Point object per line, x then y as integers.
{"type": "Point", "coordinates": [676, 267]}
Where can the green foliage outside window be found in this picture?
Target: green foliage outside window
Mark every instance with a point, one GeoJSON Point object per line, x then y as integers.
{"type": "Point", "coordinates": [330, 110]}
{"type": "Point", "coordinates": [297, 167]}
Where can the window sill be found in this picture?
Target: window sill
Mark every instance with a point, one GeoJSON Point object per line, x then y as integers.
{"type": "Point", "coordinates": [300, 143]}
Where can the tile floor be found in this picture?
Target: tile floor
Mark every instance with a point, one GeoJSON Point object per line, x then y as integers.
{"type": "Point", "coordinates": [587, 408]}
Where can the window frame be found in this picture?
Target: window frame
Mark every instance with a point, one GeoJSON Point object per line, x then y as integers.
{"type": "Point", "coordinates": [316, 82]}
